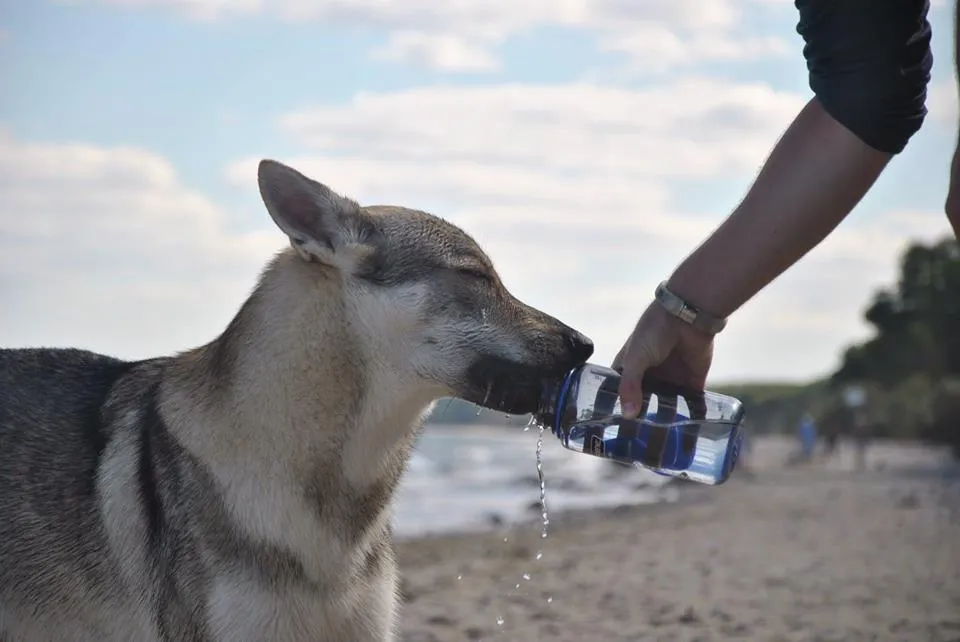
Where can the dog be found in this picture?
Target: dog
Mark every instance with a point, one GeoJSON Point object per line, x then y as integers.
{"type": "Point", "coordinates": [241, 491]}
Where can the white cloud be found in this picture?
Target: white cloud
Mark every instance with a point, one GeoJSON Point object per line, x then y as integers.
{"type": "Point", "coordinates": [478, 16]}
{"type": "Point", "coordinates": [463, 34]}
{"type": "Point", "coordinates": [437, 51]}
{"type": "Point", "coordinates": [194, 9]}
{"type": "Point", "coordinates": [694, 127]}
{"type": "Point", "coordinates": [656, 48]}
{"type": "Point", "coordinates": [105, 248]}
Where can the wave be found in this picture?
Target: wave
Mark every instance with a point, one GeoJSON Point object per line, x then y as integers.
{"type": "Point", "coordinates": [477, 477]}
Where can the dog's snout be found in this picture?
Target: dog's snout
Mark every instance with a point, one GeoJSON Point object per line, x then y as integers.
{"type": "Point", "coordinates": [581, 347]}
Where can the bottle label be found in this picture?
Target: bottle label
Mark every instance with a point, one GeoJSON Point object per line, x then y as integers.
{"type": "Point", "coordinates": [594, 445]}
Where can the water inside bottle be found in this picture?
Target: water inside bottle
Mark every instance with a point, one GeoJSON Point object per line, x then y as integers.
{"type": "Point", "coordinates": [692, 450]}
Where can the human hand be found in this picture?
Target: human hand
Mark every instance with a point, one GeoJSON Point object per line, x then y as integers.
{"type": "Point", "coordinates": [664, 348]}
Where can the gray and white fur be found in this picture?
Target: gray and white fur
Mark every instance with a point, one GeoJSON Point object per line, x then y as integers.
{"type": "Point", "coordinates": [241, 491]}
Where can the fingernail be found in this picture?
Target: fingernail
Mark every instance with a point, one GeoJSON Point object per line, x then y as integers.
{"type": "Point", "coordinates": [629, 410]}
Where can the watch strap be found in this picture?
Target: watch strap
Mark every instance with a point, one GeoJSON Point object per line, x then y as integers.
{"type": "Point", "coordinates": [703, 321]}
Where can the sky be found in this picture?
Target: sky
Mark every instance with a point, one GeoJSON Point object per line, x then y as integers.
{"type": "Point", "coordinates": [588, 145]}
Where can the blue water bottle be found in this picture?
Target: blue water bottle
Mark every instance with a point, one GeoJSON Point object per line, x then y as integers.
{"type": "Point", "coordinates": [678, 432]}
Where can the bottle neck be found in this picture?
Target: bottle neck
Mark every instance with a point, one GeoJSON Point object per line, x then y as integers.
{"type": "Point", "coordinates": [550, 401]}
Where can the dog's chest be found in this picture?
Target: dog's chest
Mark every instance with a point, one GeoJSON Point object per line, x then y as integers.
{"type": "Point", "coordinates": [244, 610]}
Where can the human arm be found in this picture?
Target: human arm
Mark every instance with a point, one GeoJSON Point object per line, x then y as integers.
{"type": "Point", "coordinates": [815, 175]}
{"type": "Point", "coordinates": [864, 111]}
{"type": "Point", "coordinates": [813, 178]}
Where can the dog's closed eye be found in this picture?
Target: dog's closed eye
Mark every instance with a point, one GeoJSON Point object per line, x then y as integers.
{"type": "Point", "coordinates": [475, 273]}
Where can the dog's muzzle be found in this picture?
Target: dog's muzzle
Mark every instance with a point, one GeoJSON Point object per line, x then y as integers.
{"type": "Point", "coordinates": [511, 387]}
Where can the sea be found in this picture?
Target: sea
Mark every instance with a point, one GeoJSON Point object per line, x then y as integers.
{"type": "Point", "coordinates": [475, 477]}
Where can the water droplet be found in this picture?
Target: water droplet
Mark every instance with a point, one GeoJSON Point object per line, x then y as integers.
{"type": "Point", "coordinates": [526, 576]}
{"type": "Point", "coordinates": [516, 587]}
{"type": "Point", "coordinates": [539, 555]}
{"type": "Point", "coordinates": [500, 620]}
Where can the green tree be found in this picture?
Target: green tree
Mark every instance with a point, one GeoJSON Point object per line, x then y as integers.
{"type": "Point", "coordinates": [917, 325]}
{"type": "Point", "coordinates": [912, 363]}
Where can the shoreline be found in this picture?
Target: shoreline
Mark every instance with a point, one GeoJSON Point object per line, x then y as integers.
{"type": "Point", "coordinates": [768, 453]}
{"type": "Point", "coordinates": [807, 553]}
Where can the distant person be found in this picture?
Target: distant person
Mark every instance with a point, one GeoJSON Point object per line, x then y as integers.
{"type": "Point", "coordinates": [808, 437]}
{"type": "Point", "coordinates": [830, 428]}
{"type": "Point", "coordinates": [860, 433]}
{"type": "Point", "coordinates": [869, 65]}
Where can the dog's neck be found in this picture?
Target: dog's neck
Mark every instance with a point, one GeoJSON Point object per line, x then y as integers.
{"type": "Point", "coordinates": [306, 434]}
{"type": "Point", "coordinates": [290, 382]}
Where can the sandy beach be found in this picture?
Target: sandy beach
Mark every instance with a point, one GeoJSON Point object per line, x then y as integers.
{"type": "Point", "coordinates": [815, 552]}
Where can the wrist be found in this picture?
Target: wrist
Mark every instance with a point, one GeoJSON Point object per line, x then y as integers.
{"type": "Point", "coordinates": [709, 281]}
{"type": "Point", "coordinates": [700, 300]}
{"type": "Point", "coordinates": [682, 333]}
{"type": "Point", "coordinates": [686, 314]}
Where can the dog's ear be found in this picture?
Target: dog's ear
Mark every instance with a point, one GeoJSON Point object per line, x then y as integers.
{"type": "Point", "coordinates": [321, 224]}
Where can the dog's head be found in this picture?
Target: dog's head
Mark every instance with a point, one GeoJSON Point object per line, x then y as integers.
{"type": "Point", "coordinates": [422, 297]}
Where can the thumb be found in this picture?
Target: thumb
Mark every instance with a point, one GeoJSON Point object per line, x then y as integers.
{"type": "Point", "coordinates": [631, 384]}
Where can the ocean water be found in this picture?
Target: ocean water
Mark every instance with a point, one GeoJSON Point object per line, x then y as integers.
{"type": "Point", "coordinates": [464, 478]}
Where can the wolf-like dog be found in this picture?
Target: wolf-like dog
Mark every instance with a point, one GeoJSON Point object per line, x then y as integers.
{"type": "Point", "coordinates": [241, 491]}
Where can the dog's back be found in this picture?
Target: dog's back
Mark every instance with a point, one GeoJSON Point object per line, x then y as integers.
{"type": "Point", "coordinates": [53, 548]}
{"type": "Point", "coordinates": [103, 514]}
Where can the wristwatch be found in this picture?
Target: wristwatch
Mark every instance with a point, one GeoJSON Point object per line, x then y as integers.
{"type": "Point", "coordinates": [687, 313]}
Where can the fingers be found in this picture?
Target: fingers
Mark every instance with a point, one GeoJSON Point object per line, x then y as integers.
{"type": "Point", "coordinates": [697, 404]}
{"type": "Point", "coordinates": [632, 362]}
{"type": "Point", "coordinates": [631, 387]}
{"type": "Point", "coordinates": [630, 390]}
{"type": "Point", "coordinates": [666, 408]}
{"type": "Point", "coordinates": [651, 341]}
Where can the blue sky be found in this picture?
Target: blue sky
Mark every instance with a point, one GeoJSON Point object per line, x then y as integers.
{"type": "Point", "coordinates": [563, 135]}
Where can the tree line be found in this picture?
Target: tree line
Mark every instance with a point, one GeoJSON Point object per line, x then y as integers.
{"type": "Point", "coordinates": [909, 367]}
{"type": "Point", "coordinates": [911, 364]}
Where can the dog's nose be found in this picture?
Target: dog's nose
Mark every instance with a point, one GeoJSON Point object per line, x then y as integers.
{"type": "Point", "coordinates": [581, 347]}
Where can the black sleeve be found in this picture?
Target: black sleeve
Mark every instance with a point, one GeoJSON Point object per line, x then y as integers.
{"type": "Point", "coordinates": [869, 64]}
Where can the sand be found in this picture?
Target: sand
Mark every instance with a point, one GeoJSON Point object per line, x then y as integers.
{"type": "Point", "coordinates": [814, 552]}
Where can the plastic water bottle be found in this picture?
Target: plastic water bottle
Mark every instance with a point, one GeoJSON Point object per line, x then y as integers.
{"type": "Point", "coordinates": [678, 432]}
